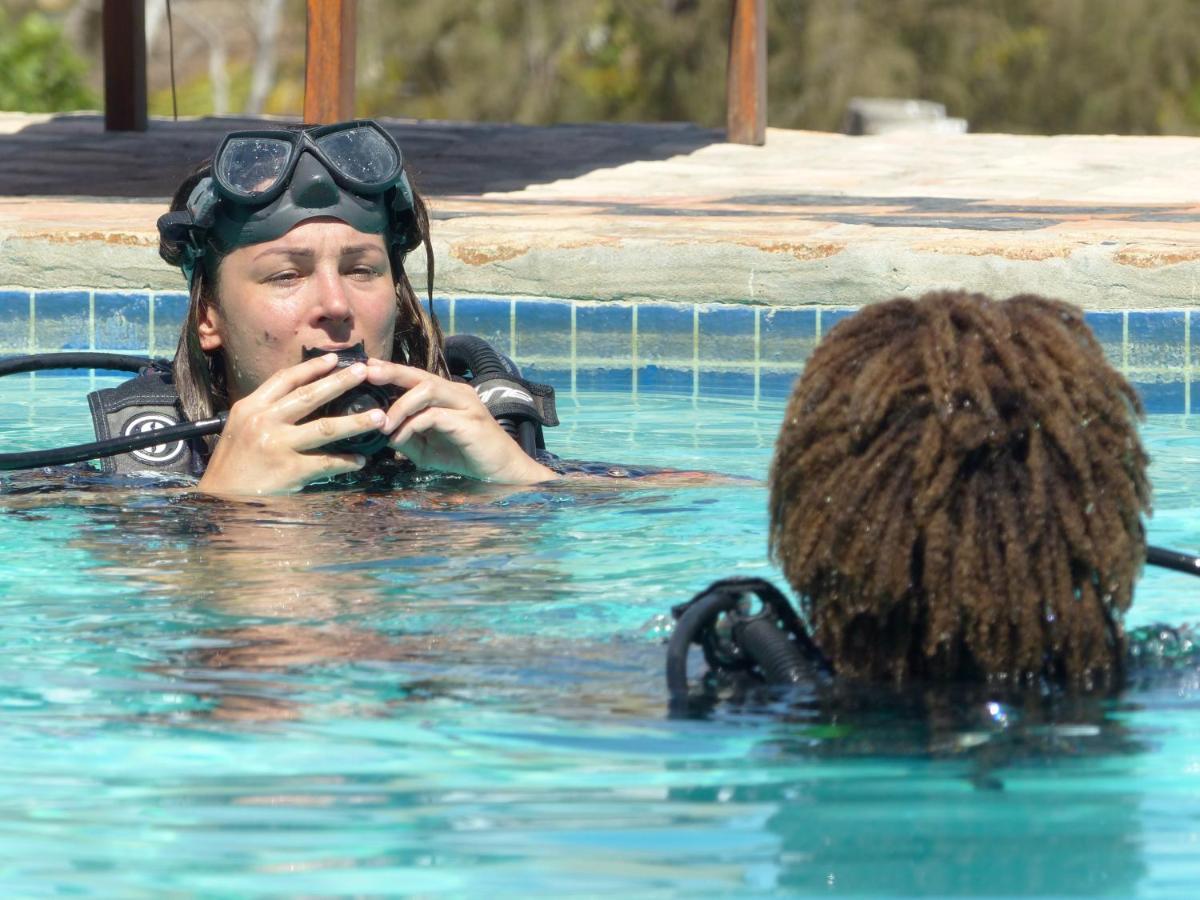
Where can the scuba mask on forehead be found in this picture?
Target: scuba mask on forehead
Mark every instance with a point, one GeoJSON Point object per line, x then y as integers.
{"type": "Point", "coordinates": [264, 183]}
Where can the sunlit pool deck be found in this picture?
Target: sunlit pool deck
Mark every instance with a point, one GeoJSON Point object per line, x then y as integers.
{"type": "Point", "coordinates": [668, 212]}
{"type": "Point", "coordinates": [647, 217]}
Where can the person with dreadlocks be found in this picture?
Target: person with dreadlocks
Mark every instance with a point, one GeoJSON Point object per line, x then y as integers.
{"type": "Point", "coordinates": [958, 491]}
{"type": "Point", "coordinates": [957, 494]}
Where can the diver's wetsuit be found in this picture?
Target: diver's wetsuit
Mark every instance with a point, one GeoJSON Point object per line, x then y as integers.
{"type": "Point", "coordinates": [144, 403]}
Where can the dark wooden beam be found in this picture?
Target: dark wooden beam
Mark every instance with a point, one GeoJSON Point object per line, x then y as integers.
{"type": "Point", "coordinates": [124, 38]}
{"type": "Point", "coordinates": [746, 77]}
{"type": "Point", "coordinates": [329, 61]}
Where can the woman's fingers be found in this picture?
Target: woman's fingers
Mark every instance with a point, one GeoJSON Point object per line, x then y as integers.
{"type": "Point", "coordinates": [305, 399]}
{"type": "Point", "coordinates": [380, 371]}
{"type": "Point", "coordinates": [320, 432]}
{"type": "Point", "coordinates": [442, 424]}
{"type": "Point", "coordinates": [422, 390]}
{"type": "Point", "coordinates": [287, 380]}
{"type": "Point", "coordinates": [429, 419]}
{"type": "Point", "coordinates": [431, 393]}
{"type": "Point", "coordinates": [262, 450]}
{"type": "Point", "coordinates": [325, 465]}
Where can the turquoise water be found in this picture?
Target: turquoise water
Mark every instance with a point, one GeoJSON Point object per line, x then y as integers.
{"type": "Point", "coordinates": [459, 691]}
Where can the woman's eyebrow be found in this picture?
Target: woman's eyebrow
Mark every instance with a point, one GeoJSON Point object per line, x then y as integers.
{"type": "Point", "coordinates": [306, 253]}
{"type": "Point", "coordinates": [302, 252]}
{"type": "Point", "coordinates": [356, 249]}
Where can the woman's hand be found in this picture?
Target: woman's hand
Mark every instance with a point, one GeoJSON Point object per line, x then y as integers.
{"type": "Point", "coordinates": [441, 424]}
{"type": "Point", "coordinates": [262, 449]}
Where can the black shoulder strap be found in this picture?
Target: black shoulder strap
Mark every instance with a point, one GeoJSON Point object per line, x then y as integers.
{"type": "Point", "coordinates": [145, 403]}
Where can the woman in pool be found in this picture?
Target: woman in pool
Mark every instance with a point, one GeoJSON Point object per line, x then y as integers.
{"type": "Point", "coordinates": [296, 239]}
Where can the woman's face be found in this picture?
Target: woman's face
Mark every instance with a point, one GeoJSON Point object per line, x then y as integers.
{"type": "Point", "coordinates": [323, 284]}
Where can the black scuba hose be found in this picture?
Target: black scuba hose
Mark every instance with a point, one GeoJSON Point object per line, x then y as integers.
{"type": "Point", "coordinates": [464, 353]}
{"type": "Point", "coordinates": [699, 614]}
{"type": "Point", "coordinates": [1173, 559]}
{"type": "Point", "coordinates": [527, 437]}
{"type": "Point", "coordinates": [775, 653]}
{"type": "Point", "coordinates": [468, 353]}
{"type": "Point", "coordinates": [59, 456]}
{"type": "Point", "coordinates": [40, 362]}
{"type": "Point", "coordinates": [773, 642]}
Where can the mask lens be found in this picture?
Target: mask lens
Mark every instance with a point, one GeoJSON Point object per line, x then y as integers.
{"type": "Point", "coordinates": [362, 155]}
{"type": "Point", "coordinates": [251, 165]}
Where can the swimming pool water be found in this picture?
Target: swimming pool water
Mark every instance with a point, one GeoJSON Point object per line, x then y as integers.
{"type": "Point", "coordinates": [458, 690]}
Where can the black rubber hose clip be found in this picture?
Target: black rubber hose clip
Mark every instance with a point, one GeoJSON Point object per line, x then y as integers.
{"type": "Point", "coordinates": [359, 399]}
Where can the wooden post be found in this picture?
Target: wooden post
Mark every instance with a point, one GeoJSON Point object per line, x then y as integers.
{"type": "Point", "coordinates": [329, 61]}
{"type": "Point", "coordinates": [124, 38]}
{"type": "Point", "coordinates": [746, 77]}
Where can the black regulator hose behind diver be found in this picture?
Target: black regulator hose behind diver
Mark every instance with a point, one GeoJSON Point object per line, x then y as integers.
{"type": "Point", "coordinates": [40, 362]}
{"type": "Point", "coordinates": [61, 456]}
{"type": "Point", "coordinates": [467, 353]}
{"type": "Point", "coordinates": [743, 625]}
{"type": "Point", "coordinates": [117, 362]}
{"type": "Point", "coordinates": [1173, 559]}
{"type": "Point", "coordinates": [359, 399]}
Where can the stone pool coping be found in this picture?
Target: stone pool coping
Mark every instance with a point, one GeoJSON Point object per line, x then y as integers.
{"type": "Point", "coordinates": [667, 212]}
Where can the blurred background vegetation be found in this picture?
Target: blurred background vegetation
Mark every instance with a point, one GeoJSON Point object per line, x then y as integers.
{"type": "Point", "coordinates": [1027, 66]}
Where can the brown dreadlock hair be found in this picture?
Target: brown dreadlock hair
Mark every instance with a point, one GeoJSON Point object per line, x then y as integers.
{"type": "Point", "coordinates": [957, 494]}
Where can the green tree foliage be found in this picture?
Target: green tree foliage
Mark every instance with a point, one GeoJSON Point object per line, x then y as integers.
{"type": "Point", "coordinates": [39, 72]}
{"type": "Point", "coordinates": [1034, 66]}
{"type": "Point", "coordinates": [1042, 66]}
{"type": "Point", "coordinates": [543, 61]}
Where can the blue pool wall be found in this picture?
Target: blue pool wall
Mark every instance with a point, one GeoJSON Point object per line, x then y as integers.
{"type": "Point", "coordinates": [697, 350]}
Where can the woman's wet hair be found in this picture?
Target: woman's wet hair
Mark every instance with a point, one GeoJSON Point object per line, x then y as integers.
{"type": "Point", "coordinates": [200, 377]}
{"type": "Point", "coordinates": [957, 493]}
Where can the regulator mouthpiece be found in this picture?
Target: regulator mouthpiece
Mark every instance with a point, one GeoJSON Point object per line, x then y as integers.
{"type": "Point", "coordinates": [362, 398]}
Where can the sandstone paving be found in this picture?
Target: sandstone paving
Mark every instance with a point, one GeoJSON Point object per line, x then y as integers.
{"type": "Point", "coordinates": [617, 212]}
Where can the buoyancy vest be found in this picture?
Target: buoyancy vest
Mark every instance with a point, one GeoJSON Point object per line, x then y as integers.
{"type": "Point", "coordinates": [144, 403]}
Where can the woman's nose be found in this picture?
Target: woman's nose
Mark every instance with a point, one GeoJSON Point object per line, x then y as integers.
{"type": "Point", "coordinates": [334, 304]}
